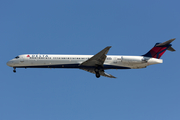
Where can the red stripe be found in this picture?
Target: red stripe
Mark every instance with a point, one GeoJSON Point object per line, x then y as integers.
{"type": "Point", "coordinates": [155, 50]}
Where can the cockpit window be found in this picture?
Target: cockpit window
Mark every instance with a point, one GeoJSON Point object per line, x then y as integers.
{"type": "Point", "coordinates": [17, 57]}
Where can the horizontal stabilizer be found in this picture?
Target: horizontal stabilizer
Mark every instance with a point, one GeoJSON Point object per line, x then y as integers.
{"type": "Point", "coordinates": [165, 43]}
{"type": "Point", "coordinates": [171, 49]}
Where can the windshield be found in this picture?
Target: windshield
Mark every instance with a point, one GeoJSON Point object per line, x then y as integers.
{"type": "Point", "coordinates": [17, 57]}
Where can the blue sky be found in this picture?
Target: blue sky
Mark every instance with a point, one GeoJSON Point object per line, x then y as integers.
{"type": "Point", "coordinates": [86, 27]}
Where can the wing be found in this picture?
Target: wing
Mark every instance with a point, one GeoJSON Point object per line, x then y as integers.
{"type": "Point", "coordinates": [101, 72]}
{"type": "Point", "coordinates": [98, 59]}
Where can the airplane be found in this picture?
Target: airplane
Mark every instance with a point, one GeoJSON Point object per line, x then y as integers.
{"type": "Point", "coordinates": [96, 64]}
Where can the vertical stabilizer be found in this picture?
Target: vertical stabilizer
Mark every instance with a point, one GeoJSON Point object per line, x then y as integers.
{"type": "Point", "coordinates": [159, 49]}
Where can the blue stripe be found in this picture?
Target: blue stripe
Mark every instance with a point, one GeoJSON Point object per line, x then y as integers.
{"type": "Point", "coordinates": [161, 52]}
{"type": "Point", "coordinates": [72, 66]}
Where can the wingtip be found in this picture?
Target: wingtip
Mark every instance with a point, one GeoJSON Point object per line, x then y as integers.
{"type": "Point", "coordinates": [108, 47]}
{"type": "Point", "coordinates": [111, 76]}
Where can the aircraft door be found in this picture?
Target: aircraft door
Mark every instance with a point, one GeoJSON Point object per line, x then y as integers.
{"type": "Point", "coordinates": [119, 59]}
{"type": "Point", "coordinates": [21, 59]}
{"type": "Point", "coordinates": [115, 60]}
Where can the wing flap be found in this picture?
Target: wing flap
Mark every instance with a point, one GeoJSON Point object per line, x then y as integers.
{"type": "Point", "coordinates": [101, 72]}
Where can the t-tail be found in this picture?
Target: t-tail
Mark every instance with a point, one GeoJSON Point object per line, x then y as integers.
{"type": "Point", "coordinates": [159, 49]}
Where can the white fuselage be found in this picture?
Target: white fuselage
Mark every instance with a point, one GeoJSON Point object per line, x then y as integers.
{"type": "Point", "coordinates": [74, 61]}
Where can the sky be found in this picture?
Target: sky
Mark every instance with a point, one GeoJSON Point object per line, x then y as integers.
{"type": "Point", "coordinates": [86, 27]}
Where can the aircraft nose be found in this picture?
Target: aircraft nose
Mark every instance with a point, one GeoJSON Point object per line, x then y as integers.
{"type": "Point", "coordinates": [9, 63]}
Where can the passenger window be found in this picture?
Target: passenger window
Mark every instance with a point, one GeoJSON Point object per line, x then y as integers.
{"type": "Point", "coordinates": [109, 58]}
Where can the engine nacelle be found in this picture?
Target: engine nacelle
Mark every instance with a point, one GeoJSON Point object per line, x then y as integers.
{"type": "Point", "coordinates": [133, 59]}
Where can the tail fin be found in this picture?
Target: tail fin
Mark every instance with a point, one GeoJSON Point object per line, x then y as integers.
{"type": "Point", "coordinates": [159, 49]}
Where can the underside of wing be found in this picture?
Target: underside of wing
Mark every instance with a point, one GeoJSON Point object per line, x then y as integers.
{"type": "Point", "coordinates": [101, 72]}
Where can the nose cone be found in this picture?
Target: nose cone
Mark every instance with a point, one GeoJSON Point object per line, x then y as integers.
{"type": "Point", "coordinates": [9, 63]}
